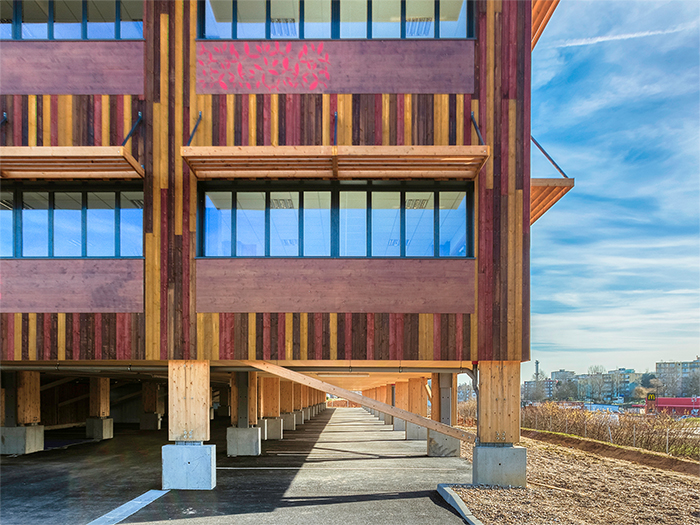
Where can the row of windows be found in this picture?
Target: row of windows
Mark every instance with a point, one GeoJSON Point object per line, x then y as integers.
{"type": "Point", "coordinates": [336, 220]}
{"type": "Point", "coordinates": [323, 19]}
{"type": "Point", "coordinates": [71, 19]}
{"type": "Point", "coordinates": [71, 222]}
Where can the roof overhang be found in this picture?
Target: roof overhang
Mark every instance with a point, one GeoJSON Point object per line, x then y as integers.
{"type": "Point", "coordinates": [544, 193]}
{"type": "Point", "coordinates": [542, 11]}
{"type": "Point", "coordinates": [336, 162]}
{"type": "Point", "coordinates": [68, 162]}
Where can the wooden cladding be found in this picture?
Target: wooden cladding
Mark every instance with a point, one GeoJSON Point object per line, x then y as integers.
{"type": "Point", "coordinates": [72, 285]}
{"type": "Point", "coordinates": [335, 336]}
{"type": "Point", "coordinates": [335, 285]}
{"type": "Point", "coordinates": [72, 68]}
{"type": "Point", "coordinates": [545, 193]}
{"type": "Point", "coordinates": [335, 66]}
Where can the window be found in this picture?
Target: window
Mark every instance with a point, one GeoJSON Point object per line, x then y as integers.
{"type": "Point", "coordinates": [323, 19]}
{"type": "Point", "coordinates": [71, 19]}
{"type": "Point", "coordinates": [335, 219]}
{"type": "Point", "coordinates": [54, 220]}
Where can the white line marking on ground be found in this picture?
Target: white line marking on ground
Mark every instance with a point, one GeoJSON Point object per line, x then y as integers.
{"type": "Point", "coordinates": [126, 510]}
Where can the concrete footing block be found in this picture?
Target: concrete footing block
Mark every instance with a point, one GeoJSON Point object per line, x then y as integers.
{"type": "Point", "coordinates": [442, 446]}
{"type": "Point", "coordinates": [150, 421]}
{"type": "Point", "coordinates": [274, 427]}
{"type": "Point", "coordinates": [262, 425]}
{"type": "Point", "coordinates": [288, 422]}
{"type": "Point", "coordinates": [243, 441]}
{"type": "Point", "coordinates": [21, 440]}
{"type": "Point", "coordinates": [189, 466]}
{"type": "Point", "coordinates": [307, 413]}
{"type": "Point", "coordinates": [99, 428]}
{"type": "Point", "coordinates": [388, 419]}
{"type": "Point", "coordinates": [399, 424]}
{"type": "Point", "coordinates": [415, 432]}
{"type": "Point", "coordinates": [299, 417]}
{"type": "Point", "coordinates": [504, 466]}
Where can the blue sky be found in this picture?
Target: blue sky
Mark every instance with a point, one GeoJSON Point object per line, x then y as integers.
{"type": "Point", "coordinates": [616, 263]}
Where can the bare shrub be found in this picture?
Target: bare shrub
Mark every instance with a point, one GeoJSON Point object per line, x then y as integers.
{"type": "Point", "coordinates": [466, 413]}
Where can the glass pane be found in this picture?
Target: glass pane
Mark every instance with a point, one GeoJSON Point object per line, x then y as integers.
{"type": "Point", "coordinates": [420, 209]}
{"type": "Point", "coordinates": [35, 224]}
{"type": "Point", "coordinates": [386, 224]}
{"type": "Point", "coordinates": [353, 18]}
{"type": "Point", "coordinates": [317, 223]}
{"type": "Point", "coordinates": [67, 224]}
{"type": "Point", "coordinates": [132, 19]}
{"type": "Point", "coordinates": [100, 18]}
{"type": "Point", "coordinates": [131, 224]}
{"type": "Point", "coordinates": [284, 223]}
{"type": "Point", "coordinates": [67, 16]}
{"type": "Point", "coordinates": [6, 224]}
{"type": "Point", "coordinates": [35, 17]}
{"type": "Point", "coordinates": [353, 224]}
{"type": "Point", "coordinates": [217, 223]}
{"type": "Point", "coordinates": [100, 224]}
{"type": "Point", "coordinates": [250, 223]}
{"type": "Point", "coordinates": [251, 19]}
{"type": "Point", "coordinates": [284, 19]}
{"type": "Point", "coordinates": [317, 19]}
{"type": "Point", "coordinates": [6, 13]}
{"type": "Point", "coordinates": [420, 16]}
{"type": "Point", "coordinates": [453, 18]}
{"type": "Point", "coordinates": [386, 19]}
{"type": "Point", "coordinates": [453, 224]}
{"type": "Point", "coordinates": [218, 18]}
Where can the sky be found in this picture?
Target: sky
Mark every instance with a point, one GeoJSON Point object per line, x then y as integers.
{"type": "Point", "coordinates": [616, 263]}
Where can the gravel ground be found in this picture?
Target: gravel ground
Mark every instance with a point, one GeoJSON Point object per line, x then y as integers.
{"type": "Point", "coordinates": [568, 486]}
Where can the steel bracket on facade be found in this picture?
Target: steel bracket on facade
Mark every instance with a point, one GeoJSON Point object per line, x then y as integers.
{"type": "Point", "coordinates": [478, 131]}
{"type": "Point", "coordinates": [550, 159]}
{"type": "Point", "coordinates": [133, 128]}
{"type": "Point", "coordinates": [199, 119]}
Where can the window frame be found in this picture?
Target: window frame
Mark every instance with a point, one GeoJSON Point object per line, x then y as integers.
{"type": "Point", "coordinates": [84, 188]}
{"type": "Point", "coordinates": [335, 187]}
{"type": "Point", "coordinates": [17, 24]}
{"type": "Point", "coordinates": [335, 22]}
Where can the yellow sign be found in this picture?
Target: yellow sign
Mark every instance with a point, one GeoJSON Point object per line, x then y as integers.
{"type": "Point", "coordinates": [651, 397]}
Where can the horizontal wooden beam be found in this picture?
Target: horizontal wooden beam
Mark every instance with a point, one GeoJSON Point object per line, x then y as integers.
{"type": "Point", "coordinates": [545, 193]}
{"type": "Point", "coordinates": [285, 373]}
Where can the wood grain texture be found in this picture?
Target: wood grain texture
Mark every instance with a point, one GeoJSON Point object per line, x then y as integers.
{"type": "Point", "coordinates": [75, 67]}
{"type": "Point", "coordinates": [76, 285]}
{"type": "Point", "coordinates": [189, 399]}
{"type": "Point", "coordinates": [371, 285]}
{"type": "Point", "coordinates": [499, 402]}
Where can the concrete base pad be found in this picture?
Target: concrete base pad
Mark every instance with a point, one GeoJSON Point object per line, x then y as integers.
{"type": "Point", "coordinates": [189, 467]}
{"type": "Point", "coordinates": [307, 413]}
{"type": "Point", "coordinates": [502, 466]}
{"type": "Point", "coordinates": [150, 421]}
{"type": "Point", "coordinates": [262, 425]}
{"type": "Point", "coordinates": [442, 446]}
{"type": "Point", "coordinates": [288, 422]}
{"type": "Point", "coordinates": [21, 440]}
{"type": "Point", "coordinates": [299, 415]}
{"type": "Point", "coordinates": [388, 420]}
{"type": "Point", "coordinates": [99, 428]}
{"type": "Point", "coordinates": [414, 432]}
{"type": "Point", "coordinates": [243, 441]}
{"type": "Point", "coordinates": [399, 424]}
{"type": "Point", "coordinates": [274, 427]}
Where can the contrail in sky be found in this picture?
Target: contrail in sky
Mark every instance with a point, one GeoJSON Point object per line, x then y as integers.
{"type": "Point", "coordinates": [628, 36]}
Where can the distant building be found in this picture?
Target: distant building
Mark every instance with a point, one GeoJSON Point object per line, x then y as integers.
{"type": "Point", "coordinates": [620, 384]}
{"type": "Point", "coordinates": [530, 388]}
{"type": "Point", "coordinates": [677, 377]}
{"type": "Point", "coordinates": [563, 375]}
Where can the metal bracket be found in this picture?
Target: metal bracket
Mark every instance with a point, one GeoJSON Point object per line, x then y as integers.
{"type": "Point", "coordinates": [199, 119]}
{"type": "Point", "coordinates": [550, 159]}
{"type": "Point", "coordinates": [133, 128]}
{"type": "Point", "coordinates": [4, 117]}
{"type": "Point", "coordinates": [478, 131]}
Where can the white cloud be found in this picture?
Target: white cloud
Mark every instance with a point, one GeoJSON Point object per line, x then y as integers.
{"type": "Point", "coordinates": [627, 36]}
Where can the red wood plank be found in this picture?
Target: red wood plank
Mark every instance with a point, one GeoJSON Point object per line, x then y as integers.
{"type": "Point", "coordinates": [98, 335]}
{"type": "Point", "coordinates": [467, 123]}
{"type": "Point", "coordinates": [266, 336]}
{"type": "Point", "coordinates": [54, 120]}
{"type": "Point", "coordinates": [48, 333]}
{"type": "Point", "coordinates": [164, 244]}
{"type": "Point", "coordinates": [318, 336]}
{"type": "Point", "coordinates": [267, 135]}
{"type": "Point", "coordinates": [378, 120]}
{"type": "Point", "coordinates": [370, 336]}
{"type": "Point", "coordinates": [399, 119]}
{"type": "Point", "coordinates": [244, 121]}
{"type": "Point", "coordinates": [333, 110]}
{"type": "Point", "coordinates": [77, 350]}
{"type": "Point", "coordinates": [281, 335]}
{"type": "Point", "coordinates": [459, 336]}
{"type": "Point", "coordinates": [16, 118]}
{"type": "Point", "coordinates": [348, 335]}
{"type": "Point", "coordinates": [437, 337]}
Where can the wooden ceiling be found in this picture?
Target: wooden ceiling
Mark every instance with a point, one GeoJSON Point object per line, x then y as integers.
{"type": "Point", "coordinates": [336, 162]}
{"type": "Point", "coordinates": [542, 11]}
{"type": "Point", "coordinates": [68, 162]}
{"type": "Point", "coordinates": [544, 193]}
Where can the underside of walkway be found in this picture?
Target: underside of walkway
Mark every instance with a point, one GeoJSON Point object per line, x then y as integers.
{"type": "Point", "coordinates": [344, 466]}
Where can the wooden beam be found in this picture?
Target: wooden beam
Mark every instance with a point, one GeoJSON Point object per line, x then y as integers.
{"type": "Point", "coordinates": [99, 397]}
{"type": "Point", "coordinates": [54, 384]}
{"type": "Point", "coordinates": [189, 397]}
{"type": "Point", "coordinates": [362, 400]}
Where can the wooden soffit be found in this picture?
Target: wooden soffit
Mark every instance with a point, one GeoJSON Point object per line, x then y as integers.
{"type": "Point", "coordinates": [542, 11]}
{"type": "Point", "coordinates": [336, 162]}
{"type": "Point", "coordinates": [68, 162]}
{"type": "Point", "coordinates": [544, 193]}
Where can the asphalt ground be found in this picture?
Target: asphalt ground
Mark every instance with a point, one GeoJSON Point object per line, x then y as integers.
{"type": "Point", "coordinates": [342, 467]}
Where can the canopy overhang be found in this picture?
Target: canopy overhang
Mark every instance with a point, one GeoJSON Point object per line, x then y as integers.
{"type": "Point", "coordinates": [545, 193]}
{"type": "Point", "coordinates": [68, 162]}
{"type": "Point", "coordinates": [336, 162]}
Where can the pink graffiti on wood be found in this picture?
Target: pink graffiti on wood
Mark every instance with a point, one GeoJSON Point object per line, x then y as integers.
{"type": "Point", "coordinates": [269, 65]}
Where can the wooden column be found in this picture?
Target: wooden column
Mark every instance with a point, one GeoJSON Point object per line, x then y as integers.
{"type": "Point", "coordinates": [253, 398]}
{"type": "Point", "coordinates": [297, 396]}
{"type": "Point", "coordinates": [28, 398]}
{"type": "Point", "coordinates": [435, 398]}
{"type": "Point", "coordinates": [271, 397]}
{"type": "Point", "coordinates": [188, 400]}
{"type": "Point", "coordinates": [99, 397]}
{"type": "Point", "coordinates": [149, 397]}
{"type": "Point", "coordinates": [417, 396]}
{"type": "Point", "coordinates": [286, 397]}
{"type": "Point", "coordinates": [402, 395]}
{"type": "Point", "coordinates": [499, 402]}
{"type": "Point", "coordinates": [233, 399]}
{"type": "Point", "coordinates": [381, 394]}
